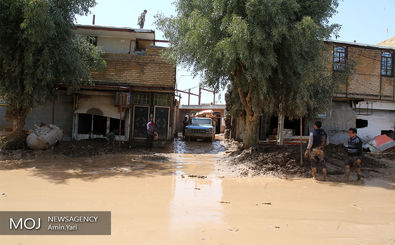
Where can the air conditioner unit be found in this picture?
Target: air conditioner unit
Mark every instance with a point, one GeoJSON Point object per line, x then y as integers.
{"type": "Point", "coordinates": [125, 99]}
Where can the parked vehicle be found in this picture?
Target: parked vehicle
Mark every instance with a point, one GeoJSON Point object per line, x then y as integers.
{"type": "Point", "coordinates": [200, 128]}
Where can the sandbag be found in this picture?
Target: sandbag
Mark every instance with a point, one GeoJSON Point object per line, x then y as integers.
{"type": "Point", "coordinates": [44, 137]}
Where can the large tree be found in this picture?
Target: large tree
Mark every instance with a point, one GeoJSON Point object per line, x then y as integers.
{"type": "Point", "coordinates": [39, 49]}
{"type": "Point", "coordinates": [270, 52]}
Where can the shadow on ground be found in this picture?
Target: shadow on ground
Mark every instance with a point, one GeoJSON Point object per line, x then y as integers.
{"type": "Point", "coordinates": [94, 159]}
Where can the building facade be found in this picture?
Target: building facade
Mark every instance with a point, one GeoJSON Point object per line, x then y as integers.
{"type": "Point", "coordinates": [136, 84]}
{"type": "Point", "coordinates": [366, 101]}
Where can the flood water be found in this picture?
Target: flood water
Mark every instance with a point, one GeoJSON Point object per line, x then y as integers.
{"type": "Point", "coordinates": [178, 197]}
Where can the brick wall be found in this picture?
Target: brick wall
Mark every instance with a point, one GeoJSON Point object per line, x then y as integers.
{"type": "Point", "coordinates": [366, 81]}
{"type": "Point", "coordinates": [147, 69]}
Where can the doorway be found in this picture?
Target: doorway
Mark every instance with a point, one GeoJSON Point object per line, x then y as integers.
{"type": "Point", "coordinates": [140, 120]}
{"type": "Point", "coordinates": [162, 121]}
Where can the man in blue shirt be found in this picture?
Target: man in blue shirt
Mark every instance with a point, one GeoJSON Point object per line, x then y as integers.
{"type": "Point", "coordinates": [317, 141]}
{"type": "Point", "coordinates": [354, 153]}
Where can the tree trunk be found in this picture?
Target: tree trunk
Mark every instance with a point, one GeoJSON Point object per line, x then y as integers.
{"type": "Point", "coordinates": [250, 131]}
{"type": "Point", "coordinates": [19, 124]}
{"type": "Point", "coordinates": [18, 114]}
{"type": "Point", "coordinates": [250, 119]}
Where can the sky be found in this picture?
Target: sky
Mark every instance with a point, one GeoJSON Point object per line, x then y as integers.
{"type": "Point", "coordinates": [363, 21]}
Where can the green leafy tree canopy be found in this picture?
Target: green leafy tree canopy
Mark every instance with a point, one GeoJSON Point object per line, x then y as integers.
{"type": "Point", "coordinates": [39, 49]}
{"type": "Point", "coordinates": [270, 52]}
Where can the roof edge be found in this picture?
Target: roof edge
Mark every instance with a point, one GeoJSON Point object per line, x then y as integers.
{"type": "Point", "coordinates": [113, 28]}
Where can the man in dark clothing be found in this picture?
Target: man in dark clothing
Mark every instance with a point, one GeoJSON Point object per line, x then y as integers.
{"type": "Point", "coordinates": [354, 153]}
{"type": "Point", "coordinates": [185, 123]}
{"type": "Point", "coordinates": [318, 139]}
{"type": "Point", "coordinates": [151, 133]}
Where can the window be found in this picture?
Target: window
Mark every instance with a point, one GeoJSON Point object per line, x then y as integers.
{"type": "Point", "coordinates": [92, 40]}
{"type": "Point", "coordinates": [99, 125]}
{"type": "Point", "coordinates": [339, 58]}
{"type": "Point", "coordinates": [114, 126]}
{"type": "Point", "coordinates": [360, 123]}
{"type": "Point", "coordinates": [386, 64]}
{"type": "Point", "coordinates": [84, 123]}
{"type": "Point", "coordinates": [201, 121]}
{"type": "Point", "coordinates": [142, 99]}
{"type": "Point", "coordinates": [162, 99]}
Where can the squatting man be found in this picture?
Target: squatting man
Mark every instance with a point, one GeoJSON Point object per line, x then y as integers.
{"type": "Point", "coordinates": [318, 139]}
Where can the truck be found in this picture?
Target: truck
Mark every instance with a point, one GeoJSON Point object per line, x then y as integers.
{"type": "Point", "coordinates": [200, 128]}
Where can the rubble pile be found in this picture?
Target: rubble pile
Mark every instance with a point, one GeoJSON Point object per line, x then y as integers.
{"type": "Point", "coordinates": [284, 161]}
{"type": "Point", "coordinates": [267, 160]}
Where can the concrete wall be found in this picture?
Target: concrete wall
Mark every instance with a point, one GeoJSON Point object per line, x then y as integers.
{"type": "Point", "coordinates": [116, 45]}
{"type": "Point", "coordinates": [342, 116]}
{"type": "Point", "coordinates": [63, 114]}
{"type": "Point", "coordinates": [378, 121]}
{"type": "Point", "coordinates": [337, 122]}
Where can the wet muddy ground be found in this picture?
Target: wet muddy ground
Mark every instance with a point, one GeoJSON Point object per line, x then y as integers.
{"type": "Point", "coordinates": [179, 195]}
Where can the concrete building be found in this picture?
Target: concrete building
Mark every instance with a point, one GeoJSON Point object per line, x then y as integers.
{"type": "Point", "coordinates": [366, 101]}
{"type": "Point", "coordinates": [136, 84]}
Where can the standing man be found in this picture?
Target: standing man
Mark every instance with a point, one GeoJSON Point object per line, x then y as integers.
{"type": "Point", "coordinates": [185, 123]}
{"type": "Point", "coordinates": [151, 133]}
{"type": "Point", "coordinates": [354, 153]}
{"type": "Point", "coordinates": [317, 141]}
{"type": "Point", "coordinates": [141, 19]}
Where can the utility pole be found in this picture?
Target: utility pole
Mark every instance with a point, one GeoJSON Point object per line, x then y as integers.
{"type": "Point", "coordinates": [213, 97]}
{"type": "Point", "coordinates": [120, 116]}
{"type": "Point", "coordinates": [211, 91]}
{"type": "Point", "coordinates": [301, 141]}
{"type": "Point", "coordinates": [189, 96]}
{"type": "Point", "coordinates": [200, 95]}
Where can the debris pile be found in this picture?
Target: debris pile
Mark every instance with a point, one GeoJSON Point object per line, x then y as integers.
{"type": "Point", "coordinates": [268, 160]}
{"type": "Point", "coordinates": [284, 161]}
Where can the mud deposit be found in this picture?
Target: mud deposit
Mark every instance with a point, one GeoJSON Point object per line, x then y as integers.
{"type": "Point", "coordinates": [177, 196]}
{"type": "Point", "coordinates": [284, 161]}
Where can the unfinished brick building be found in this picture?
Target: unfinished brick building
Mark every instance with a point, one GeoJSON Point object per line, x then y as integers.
{"type": "Point", "coordinates": [137, 84]}
{"type": "Point", "coordinates": [366, 101]}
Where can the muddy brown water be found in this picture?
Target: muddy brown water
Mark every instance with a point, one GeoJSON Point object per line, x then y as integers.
{"type": "Point", "coordinates": [177, 196]}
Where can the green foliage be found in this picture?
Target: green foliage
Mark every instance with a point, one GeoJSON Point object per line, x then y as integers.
{"type": "Point", "coordinates": [38, 49]}
{"type": "Point", "coordinates": [271, 52]}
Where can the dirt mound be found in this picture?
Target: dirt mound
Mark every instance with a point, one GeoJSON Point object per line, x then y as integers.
{"type": "Point", "coordinates": [285, 161]}
{"type": "Point", "coordinates": [267, 160]}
